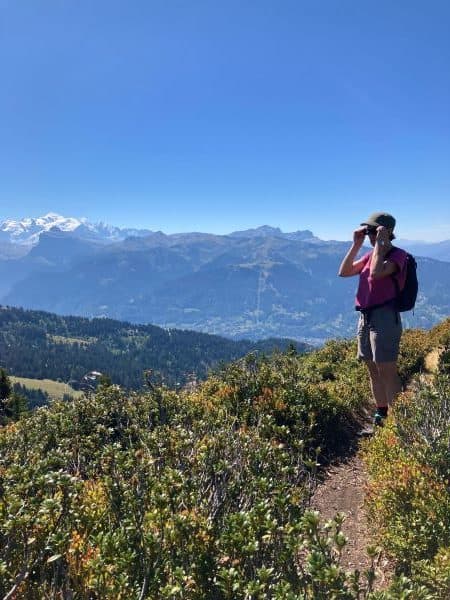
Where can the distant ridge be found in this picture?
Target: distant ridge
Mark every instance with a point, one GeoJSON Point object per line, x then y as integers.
{"type": "Point", "coordinates": [27, 230]}
{"type": "Point", "coordinates": [268, 231]}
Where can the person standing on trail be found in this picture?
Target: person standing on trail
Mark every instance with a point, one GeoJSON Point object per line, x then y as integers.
{"type": "Point", "coordinates": [382, 272]}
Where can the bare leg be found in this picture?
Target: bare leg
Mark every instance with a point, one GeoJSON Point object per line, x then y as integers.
{"type": "Point", "coordinates": [389, 376]}
{"type": "Point", "coordinates": [377, 384]}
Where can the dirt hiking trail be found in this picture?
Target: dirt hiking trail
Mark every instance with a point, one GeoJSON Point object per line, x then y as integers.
{"type": "Point", "coordinates": [342, 490]}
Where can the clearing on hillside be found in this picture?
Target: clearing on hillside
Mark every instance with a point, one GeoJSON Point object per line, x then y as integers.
{"type": "Point", "coordinates": [54, 389]}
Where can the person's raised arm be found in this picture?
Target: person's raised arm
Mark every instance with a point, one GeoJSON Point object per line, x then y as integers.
{"type": "Point", "coordinates": [349, 266]}
{"type": "Point", "coordinates": [379, 266]}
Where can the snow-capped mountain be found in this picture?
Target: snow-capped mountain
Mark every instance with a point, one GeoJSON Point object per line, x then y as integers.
{"type": "Point", "coordinates": [27, 230]}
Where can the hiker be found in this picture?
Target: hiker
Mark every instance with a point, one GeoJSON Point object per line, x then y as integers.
{"type": "Point", "coordinates": [379, 325]}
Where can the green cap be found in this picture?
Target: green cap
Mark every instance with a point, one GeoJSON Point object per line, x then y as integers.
{"type": "Point", "coordinates": [380, 218]}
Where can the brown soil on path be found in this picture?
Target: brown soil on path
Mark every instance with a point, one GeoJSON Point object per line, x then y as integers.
{"type": "Point", "coordinates": [342, 490]}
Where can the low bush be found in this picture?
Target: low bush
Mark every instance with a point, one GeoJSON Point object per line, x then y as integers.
{"type": "Point", "coordinates": [203, 493]}
{"type": "Point", "coordinates": [414, 347]}
{"type": "Point", "coordinates": [408, 497]}
{"type": "Point", "coordinates": [199, 494]}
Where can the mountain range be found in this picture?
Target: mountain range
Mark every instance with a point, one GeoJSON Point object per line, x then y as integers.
{"type": "Point", "coordinates": [27, 231]}
{"type": "Point", "coordinates": [255, 283]}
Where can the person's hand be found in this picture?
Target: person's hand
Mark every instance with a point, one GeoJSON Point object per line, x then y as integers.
{"type": "Point", "coordinates": [359, 235]}
{"type": "Point", "coordinates": [383, 237]}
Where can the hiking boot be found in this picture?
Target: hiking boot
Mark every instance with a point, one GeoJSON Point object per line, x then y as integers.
{"type": "Point", "coordinates": [378, 419]}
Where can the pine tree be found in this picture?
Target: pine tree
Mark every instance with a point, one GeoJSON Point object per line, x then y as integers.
{"type": "Point", "coordinates": [5, 385]}
{"type": "Point", "coordinates": [12, 404]}
{"type": "Point", "coordinates": [17, 406]}
{"type": "Point", "coordinates": [5, 392]}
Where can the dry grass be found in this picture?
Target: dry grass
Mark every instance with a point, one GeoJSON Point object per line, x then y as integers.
{"type": "Point", "coordinates": [432, 360]}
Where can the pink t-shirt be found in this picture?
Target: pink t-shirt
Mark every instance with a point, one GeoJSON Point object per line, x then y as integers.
{"type": "Point", "coordinates": [372, 292]}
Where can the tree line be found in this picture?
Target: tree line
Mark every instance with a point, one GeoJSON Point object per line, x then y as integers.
{"type": "Point", "coordinates": [41, 345]}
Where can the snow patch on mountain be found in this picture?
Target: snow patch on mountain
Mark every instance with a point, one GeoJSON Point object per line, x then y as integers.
{"type": "Point", "coordinates": [27, 231]}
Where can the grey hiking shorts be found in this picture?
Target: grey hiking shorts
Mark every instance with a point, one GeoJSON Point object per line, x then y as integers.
{"type": "Point", "coordinates": [379, 334]}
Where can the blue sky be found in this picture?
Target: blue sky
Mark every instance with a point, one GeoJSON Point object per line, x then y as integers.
{"type": "Point", "coordinates": [217, 116]}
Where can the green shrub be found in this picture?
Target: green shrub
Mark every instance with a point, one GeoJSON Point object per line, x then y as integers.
{"type": "Point", "coordinates": [408, 497]}
{"type": "Point", "coordinates": [198, 494]}
{"type": "Point", "coordinates": [203, 493]}
{"type": "Point", "coordinates": [414, 346]}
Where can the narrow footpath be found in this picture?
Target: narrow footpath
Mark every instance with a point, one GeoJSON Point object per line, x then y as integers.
{"type": "Point", "coordinates": [342, 490]}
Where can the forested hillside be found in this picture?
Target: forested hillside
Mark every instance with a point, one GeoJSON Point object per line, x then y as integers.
{"type": "Point", "coordinates": [203, 494]}
{"type": "Point", "coordinates": [43, 345]}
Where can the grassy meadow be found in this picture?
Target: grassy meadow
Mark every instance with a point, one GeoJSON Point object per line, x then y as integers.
{"type": "Point", "coordinates": [55, 389]}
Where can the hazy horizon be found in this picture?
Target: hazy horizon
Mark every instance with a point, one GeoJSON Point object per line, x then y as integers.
{"type": "Point", "coordinates": [221, 231]}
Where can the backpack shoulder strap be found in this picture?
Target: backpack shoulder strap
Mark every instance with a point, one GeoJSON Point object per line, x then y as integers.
{"type": "Point", "coordinates": [394, 275]}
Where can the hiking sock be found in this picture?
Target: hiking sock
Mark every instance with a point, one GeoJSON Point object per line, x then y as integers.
{"type": "Point", "coordinates": [380, 415]}
{"type": "Point", "coordinates": [382, 411]}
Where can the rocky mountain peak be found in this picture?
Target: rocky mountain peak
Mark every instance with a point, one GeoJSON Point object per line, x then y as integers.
{"type": "Point", "coordinates": [27, 231]}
